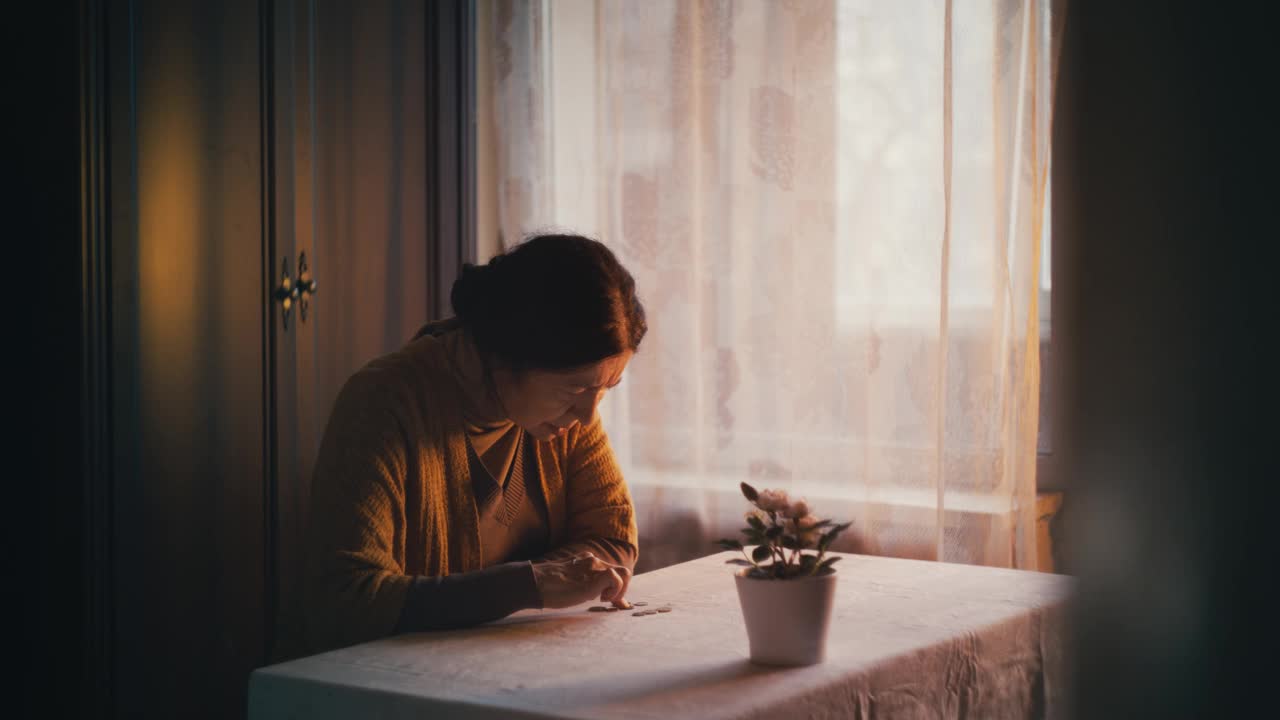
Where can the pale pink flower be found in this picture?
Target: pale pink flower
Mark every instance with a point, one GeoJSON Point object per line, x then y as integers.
{"type": "Point", "coordinates": [805, 530]}
{"type": "Point", "coordinates": [798, 509]}
{"type": "Point", "coordinates": [773, 500]}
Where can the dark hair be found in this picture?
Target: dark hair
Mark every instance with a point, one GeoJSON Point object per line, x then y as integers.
{"type": "Point", "coordinates": [553, 302]}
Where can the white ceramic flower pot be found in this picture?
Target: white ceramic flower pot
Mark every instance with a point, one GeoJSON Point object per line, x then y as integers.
{"type": "Point", "coordinates": [787, 620]}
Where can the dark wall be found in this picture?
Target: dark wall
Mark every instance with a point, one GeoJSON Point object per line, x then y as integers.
{"type": "Point", "coordinates": [1166, 293]}
{"type": "Point", "coordinates": [42, 257]}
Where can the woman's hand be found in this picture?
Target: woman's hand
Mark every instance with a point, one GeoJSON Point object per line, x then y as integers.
{"type": "Point", "coordinates": [584, 577]}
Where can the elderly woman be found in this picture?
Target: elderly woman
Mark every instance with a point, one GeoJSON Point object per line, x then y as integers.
{"type": "Point", "coordinates": [466, 476]}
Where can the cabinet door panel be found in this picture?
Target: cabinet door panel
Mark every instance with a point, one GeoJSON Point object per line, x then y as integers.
{"type": "Point", "coordinates": [351, 173]}
{"type": "Point", "coordinates": [187, 315]}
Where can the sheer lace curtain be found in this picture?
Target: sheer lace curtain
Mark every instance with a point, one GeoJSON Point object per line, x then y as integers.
{"type": "Point", "coordinates": [834, 213]}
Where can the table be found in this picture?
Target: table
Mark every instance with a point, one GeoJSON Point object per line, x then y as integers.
{"type": "Point", "coordinates": [908, 639]}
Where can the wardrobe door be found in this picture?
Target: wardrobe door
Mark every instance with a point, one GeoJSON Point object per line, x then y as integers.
{"type": "Point", "coordinates": [273, 227]}
{"type": "Point", "coordinates": [189, 311]}
{"type": "Point", "coordinates": [350, 168]}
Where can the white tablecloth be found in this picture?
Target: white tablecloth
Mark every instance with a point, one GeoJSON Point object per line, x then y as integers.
{"type": "Point", "coordinates": [908, 639]}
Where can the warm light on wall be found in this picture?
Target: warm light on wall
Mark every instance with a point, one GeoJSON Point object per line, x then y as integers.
{"type": "Point", "coordinates": [170, 221]}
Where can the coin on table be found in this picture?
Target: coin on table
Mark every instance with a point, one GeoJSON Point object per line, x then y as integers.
{"type": "Point", "coordinates": [598, 608]}
{"type": "Point", "coordinates": [639, 613]}
{"type": "Point", "coordinates": [640, 604]}
{"type": "Point", "coordinates": [665, 609]}
{"type": "Point", "coordinates": [611, 609]}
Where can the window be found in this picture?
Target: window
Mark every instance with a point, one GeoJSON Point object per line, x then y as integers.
{"type": "Point", "coordinates": [833, 211]}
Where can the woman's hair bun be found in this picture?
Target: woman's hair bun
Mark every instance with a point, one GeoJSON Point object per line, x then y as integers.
{"type": "Point", "coordinates": [470, 291]}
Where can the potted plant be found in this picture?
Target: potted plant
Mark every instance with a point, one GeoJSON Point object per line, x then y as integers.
{"type": "Point", "coordinates": [786, 593]}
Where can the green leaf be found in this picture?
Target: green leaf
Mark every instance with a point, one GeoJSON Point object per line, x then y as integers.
{"type": "Point", "coordinates": [773, 532]}
{"type": "Point", "coordinates": [749, 492]}
{"type": "Point", "coordinates": [808, 561]}
{"type": "Point", "coordinates": [754, 536]}
{"type": "Point", "coordinates": [826, 564]}
{"type": "Point", "coordinates": [738, 561]}
{"type": "Point", "coordinates": [755, 522]}
{"type": "Point", "coordinates": [829, 536]}
{"type": "Point", "coordinates": [790, 542]}
{"type": "Point", "coordinates": [761, 553]}
{"type": "Point", "coordinates": [729, 544]}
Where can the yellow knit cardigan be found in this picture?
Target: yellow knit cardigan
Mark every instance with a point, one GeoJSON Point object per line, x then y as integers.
{"type": "Point", "coordinates": [391, 495]}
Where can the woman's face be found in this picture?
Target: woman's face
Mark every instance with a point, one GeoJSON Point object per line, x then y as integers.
{"type": "Point", "coordinates": [547, 403]}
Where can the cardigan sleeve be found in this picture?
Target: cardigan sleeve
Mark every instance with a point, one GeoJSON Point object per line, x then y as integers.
{"type": "Point", "coordinates": [470, 598]}
{"type": "Point", "coordinates": [355, 585]}
{"type": "Point", "coordinates": [601, 516]}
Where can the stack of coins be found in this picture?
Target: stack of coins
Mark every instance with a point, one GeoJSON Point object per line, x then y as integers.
{"type": "Point", "coordinates": [638, 613]}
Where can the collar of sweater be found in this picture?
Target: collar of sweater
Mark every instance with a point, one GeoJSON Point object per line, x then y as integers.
{"type": "Point", "coordinates": [482, 410]}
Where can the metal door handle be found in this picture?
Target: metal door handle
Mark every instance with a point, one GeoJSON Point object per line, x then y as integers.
{"type": "Point", "coordinates": [288, 292]}
{"type": "Point", "coordinates": [285, 292]}
{"type": "Point", "coordinates": [306, 286]}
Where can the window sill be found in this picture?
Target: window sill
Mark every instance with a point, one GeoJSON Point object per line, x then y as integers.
{"type": "Point", "coordinates": [681, 514]}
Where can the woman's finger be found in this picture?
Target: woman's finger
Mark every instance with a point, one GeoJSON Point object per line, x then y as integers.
{"type": "Point", "coordinates": [601, 564]}
{"type": "Point", "coordinates": [622, 573]}
{"type": "Point", "coordinates": [614, 588]}
{"type": "Point", "coordinates": [625, 574]}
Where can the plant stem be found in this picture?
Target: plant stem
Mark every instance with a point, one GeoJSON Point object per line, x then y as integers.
{"type": "Point", "coordinates": [781, 555]}
{"type": "Point", "coordinates": [775, 551]}
{"type": "Point", "coordinates": [798, 552]}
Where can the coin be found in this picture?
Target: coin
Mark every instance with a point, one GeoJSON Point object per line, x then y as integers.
{"type": "Point", "coordinates": [611, 609]}
{"type": "Point", "coordinates": [640, 612]}
{"type": "Point", "coordinates": [598, 608]}
{"type": "Point", "coordinates": [640, 604]}
{"type": "Point", "coordinates": [664, 609]}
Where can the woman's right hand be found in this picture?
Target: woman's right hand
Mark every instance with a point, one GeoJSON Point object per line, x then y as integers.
{"type": "Point", "coordinates": [585, 577]}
